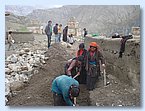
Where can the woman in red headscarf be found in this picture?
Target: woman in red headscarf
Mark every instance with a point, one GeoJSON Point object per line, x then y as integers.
{"type": "Point", "coordinates": [92, 65]}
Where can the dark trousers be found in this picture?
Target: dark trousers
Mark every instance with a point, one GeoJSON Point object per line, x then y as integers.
{"type": "Point", "coordinates": [91, 82]}
{"type": "Point", "coordinates": [49, 40]}
{"type": "Point", "coordinates": [58, 100]}
{"type": "Point", "coordinates": [122, 49]}
{"type": "Point", "coordinates": [83, 76]}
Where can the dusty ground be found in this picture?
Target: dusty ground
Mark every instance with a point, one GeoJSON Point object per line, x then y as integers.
{"type": "Point", "coordinates": [38, 91]}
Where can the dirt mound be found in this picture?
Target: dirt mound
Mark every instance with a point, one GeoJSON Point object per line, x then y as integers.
{"type": "Point", "coordinates": [115, 93]}
{"type": "Point", "coordinates": [38, 90]}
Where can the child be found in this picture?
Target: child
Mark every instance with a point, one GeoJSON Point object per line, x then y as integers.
{"type": "Point", "coordinates": [71, 39]}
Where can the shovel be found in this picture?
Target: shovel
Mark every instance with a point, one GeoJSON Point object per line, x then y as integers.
{"type": "Point", "coordinates": [75, 100]}
{"type": "Point", "coordinates": [104, 73]}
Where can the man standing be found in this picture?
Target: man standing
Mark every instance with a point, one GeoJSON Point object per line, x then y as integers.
{"type": "Point", "coordinates": [55, 31]}
{"type": "Point", "coordinates": [65, 90]}
{"type": "Point", "coordinates": [48, 32]}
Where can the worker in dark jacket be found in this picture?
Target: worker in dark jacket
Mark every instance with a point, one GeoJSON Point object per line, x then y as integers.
{"type": "Point", "coordinates": [94, 56]}
{"type": "Point", "coordinates": [65, 90]}
{"type": "Point", "coordinates": [65, 33]}
{"type": "Point", "coordinates": [48, 32]}
{"type": "Point", "coordinates": [123, 42]}
{"type": "Point", "coordinates": [55, 31]}
{"type": "Point", "coordinates": [83, 74]}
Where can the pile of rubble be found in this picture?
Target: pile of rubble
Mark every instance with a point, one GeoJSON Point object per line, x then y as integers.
{"type": "Point", "coordinates": [20, 67]}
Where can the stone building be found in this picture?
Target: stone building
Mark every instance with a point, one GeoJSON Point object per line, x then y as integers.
{"type": "Point", "coordinates": [73, 27]}
{"type": "Point", "coordinates": [136, 32]}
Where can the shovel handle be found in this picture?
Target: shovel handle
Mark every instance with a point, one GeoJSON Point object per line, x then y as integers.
{"type": "Point", "coordinates": [75, 100]}
{"type": "Point", "coordinates": [105, 82]}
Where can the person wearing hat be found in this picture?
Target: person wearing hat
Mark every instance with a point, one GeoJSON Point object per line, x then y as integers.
{"type": "Point", "coordinates": [82, 52]}
{"type": "Point", "coordinates": [73, 67]}
{"type": "Point", "coordinates": [94, 56]}
{"type": "Point", "coordinates": [65, 90]}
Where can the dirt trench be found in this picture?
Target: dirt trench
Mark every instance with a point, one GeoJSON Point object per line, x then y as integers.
{"type": "Point", "coordinates": [38, 91]}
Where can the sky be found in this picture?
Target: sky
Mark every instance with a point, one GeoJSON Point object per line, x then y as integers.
{"type": "Point", "coordinates": [58, 3]}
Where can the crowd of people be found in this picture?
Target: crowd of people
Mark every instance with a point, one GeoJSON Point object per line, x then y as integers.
{"type": "Point", "coordinates": [60, 34]}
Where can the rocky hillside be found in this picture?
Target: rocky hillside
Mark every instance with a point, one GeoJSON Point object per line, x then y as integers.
{"type": "Point", "coordinates": [105, 19]}
{"type": "Point", "coordinates": [19, 10]}
{"type": "Point", "coordinates": [97, 19]}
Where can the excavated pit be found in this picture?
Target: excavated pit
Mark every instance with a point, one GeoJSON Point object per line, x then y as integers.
{"type": "Point", "coordinates": [37, 92]}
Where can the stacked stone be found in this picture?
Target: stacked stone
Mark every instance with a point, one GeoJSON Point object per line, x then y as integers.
{"type": "Point", "coordinates": [20, 67]}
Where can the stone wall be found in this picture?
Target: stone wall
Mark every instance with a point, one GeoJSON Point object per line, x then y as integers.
{"type": "Point", "coordinates": [22, 36]}
{"type": "Point", "coordinates": [127, 68]}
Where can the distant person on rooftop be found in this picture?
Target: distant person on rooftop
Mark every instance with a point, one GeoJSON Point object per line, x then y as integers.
{"type": "Point", "coordinates": [85, 32]}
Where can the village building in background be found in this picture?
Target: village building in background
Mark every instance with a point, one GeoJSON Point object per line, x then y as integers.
{"type": "Point", "coordinates": [136, 32]}
{"type": "Point", "coordinates": [73, 27]}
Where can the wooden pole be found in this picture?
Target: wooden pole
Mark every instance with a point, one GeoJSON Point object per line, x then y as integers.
{"type": "Point", "coordinates": [75, 100]}
{"type": "Point", "coordinates": [105, 82]}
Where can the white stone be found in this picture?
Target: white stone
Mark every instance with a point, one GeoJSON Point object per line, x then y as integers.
{"type": "Point", "coordinates": [21, 52]}
{"type": "Point", "coordinates": [26, 49]}
{"type": "Point", "coordinates": [6, 100]}
{"type": "Point", "coordinates": [8, 71]}
{"type": "Point", "coordinates": [42, 56]}
{"type": "Point", "coordinates": [31, 61]}
{"type": "Point", "coordinates": [8, 58]}
{"type": "Point", "coordinates": [69, 45]}
{"type": "Point", "coordinates": [24, 68]}
{"type": "Point", "coordinates": [46, 58]}
{"type": "Point", "coordinates": [64, 44]}
{"type": "Point", "coordinates": [16, 85]}
{"type": "Point", "coordinates": [42, 61]}
{"type": "Point", "coordinates": [36, 71]}
{"type": "Point", "coordinates": [14, 58]}
{"type": "Point", "coordinates": [7, 88]}
{"type": "Point", "coordinates": [23, 78]}
{"type": "Point", "coordinates": [14, 67]}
